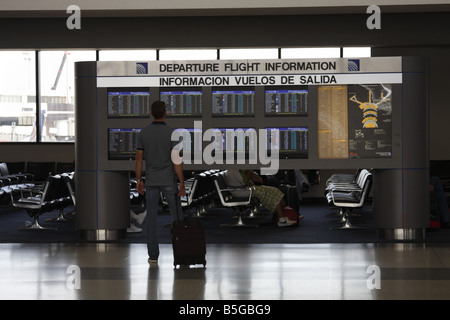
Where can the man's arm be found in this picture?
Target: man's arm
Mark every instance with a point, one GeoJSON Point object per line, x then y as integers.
{"type": "Point", "coordinates": [178, 166]}
{"type": "Point", "coordinates": [138, 170]}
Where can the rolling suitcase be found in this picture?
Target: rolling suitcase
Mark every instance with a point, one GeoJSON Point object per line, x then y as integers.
{"type": "Point", "coordinates": [188, 243]}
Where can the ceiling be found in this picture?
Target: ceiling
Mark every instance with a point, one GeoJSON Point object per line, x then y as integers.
{"type": "Point", "coordinates": [167, 8]}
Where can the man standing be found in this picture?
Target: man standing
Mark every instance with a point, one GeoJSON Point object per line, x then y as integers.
{"type": "Point", "coordinates": [162, 168]}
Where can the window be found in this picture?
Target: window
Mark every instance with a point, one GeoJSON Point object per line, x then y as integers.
{"type": "Point", "coordinates": [310, 53]}
{"type": "Point", "coordinates": [184, 54]}
{"type": "Point", "coordinates": [230, 54]}
{"type": "Point", "coordinates": [18, 98]}
{"type": "Point", "coordinates": [17, 86]}
{"type": "Point", "coordinates": [127, 55]}
{"type": "Point", "coordinates": [57, 120]}
{"type": "Point", "coordinates": [357, 52]}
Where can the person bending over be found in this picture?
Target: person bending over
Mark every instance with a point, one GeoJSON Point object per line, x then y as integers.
{"type": "Point", "coordinates": [270, 197]}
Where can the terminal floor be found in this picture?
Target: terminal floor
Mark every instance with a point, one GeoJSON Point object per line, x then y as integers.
{"type": "Point", "coordinates": [308, 262]}
{"type": "Point", "coordinates": [116, 271]}
{"type": "Point", "coordinates": [316, 227]}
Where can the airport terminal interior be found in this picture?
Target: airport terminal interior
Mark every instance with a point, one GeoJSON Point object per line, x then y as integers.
{"type": "Point", "coordinates": [350, 99]}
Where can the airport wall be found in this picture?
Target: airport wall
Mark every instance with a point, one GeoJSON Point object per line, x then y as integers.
{"type": "Point", "coordinates": [406, 34]}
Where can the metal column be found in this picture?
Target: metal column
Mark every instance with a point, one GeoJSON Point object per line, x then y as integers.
{"type": "Point", "coordinates": [401, 195]}
{"type": "Point", "coordinates": [103, 196]}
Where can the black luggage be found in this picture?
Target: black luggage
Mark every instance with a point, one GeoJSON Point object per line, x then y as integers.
{"type": "Point", "coordinates": [290, 196]}
{"type": "Point", "coordinates": [188, 242]}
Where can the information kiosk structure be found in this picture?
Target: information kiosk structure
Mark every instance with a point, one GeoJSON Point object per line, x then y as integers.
{"type": "Point", "coordinates": [293, 114]}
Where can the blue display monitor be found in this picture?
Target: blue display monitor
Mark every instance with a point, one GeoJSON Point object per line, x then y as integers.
{"type": "Point", "coordinates": [128, 103]}
{"type": "Point", "coordinates": [237, 141]}
{"type": "Point", "coordinates": [122, 143]}
{"type": "Point", "coordinates": [286, 101]}
{"type": "Point", "coordinates": [182, 103]}
{"type": "Point", "coordinates": [291, 142]}
{"type": "Point", "coordinates": [228, 102]}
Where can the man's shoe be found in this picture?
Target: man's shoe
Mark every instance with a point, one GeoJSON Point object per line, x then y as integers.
{"type": "Point", "coordinates": [152, 261]}
{"type": "Point", "coordinates": [139, 218]}
{"type": "Point", "coordinates": [133, 229]}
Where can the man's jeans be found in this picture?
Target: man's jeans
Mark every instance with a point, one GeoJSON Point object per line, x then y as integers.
{"type": "Point", "coordinates": [153, 195]}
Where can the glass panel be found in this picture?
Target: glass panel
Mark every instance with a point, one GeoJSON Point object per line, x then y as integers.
{"type": "Point", "coordinates": [307, 53]}
{"type": "Point", "coordinates": [17, 96]}
{"type": "Point", "coordinates": [127, 55]}
{"type": "Point", "coordinates": [357, 52]}
{"type": "Point", "coordinates": [57, 93]}
{"type": "Point", "coordinates": [230, 54]}
{"type": "Point", "coordinates": [188, 54]}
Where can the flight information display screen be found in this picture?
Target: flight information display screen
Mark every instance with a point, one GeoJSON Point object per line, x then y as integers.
{"type": "Point", "coordinates": [291, 142]}
{"type": "Point", "coordinates": [186, 103]}
{"type": "Point", "coordinates": [286, 101]}
{"type": "Point", "coordinates": [192, 142]}
{"type": "Point", "coordinates": [122, 143]}
{"type": "Point", "coordinates": [235, 141]}
{"type": "Point", "coordinates": [128, 103]}
{"type": "Point", "coordinates": [233, 103]}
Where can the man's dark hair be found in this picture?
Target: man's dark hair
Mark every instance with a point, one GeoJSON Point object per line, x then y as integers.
{"type": "Point", "coordinates": [158, 109]}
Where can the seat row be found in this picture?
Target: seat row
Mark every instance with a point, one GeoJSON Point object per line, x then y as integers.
{"type": "Point", "coordinates": [10, 182]}
{"type": "Point", "coordinates": [199, 193]}
{"type": "Point", "coordinates": [57, 193]}
{"type": "Point", "coordinates": [347, 192]}
{"type": "Point", "coordinates": [41, 169]}
{"type": "Point", "coordinates": [17, 175]}
{"type": "Point", "coordinates": [209, 189]}
{"type": "Point", "coordinates": [227, 200]}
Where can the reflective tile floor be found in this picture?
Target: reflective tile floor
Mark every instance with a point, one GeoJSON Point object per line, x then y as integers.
{"type": "Point", "coordinates": [233, 272]}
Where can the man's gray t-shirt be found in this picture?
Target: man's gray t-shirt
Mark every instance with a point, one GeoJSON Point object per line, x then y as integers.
{"type": "Point", "coordinates": [155, 141]}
